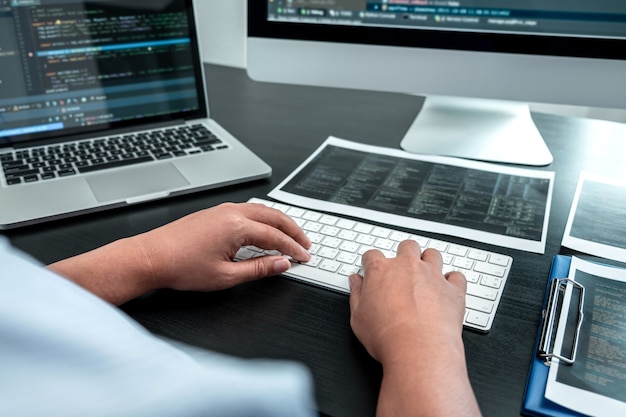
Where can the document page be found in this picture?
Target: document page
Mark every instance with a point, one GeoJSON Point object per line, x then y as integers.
{"type": "Point", "coordinates": [495, 204]}
{"type": "Point", "coordinates": [596, 383]}
{"type": "Point", "coordinates": [597, 219]}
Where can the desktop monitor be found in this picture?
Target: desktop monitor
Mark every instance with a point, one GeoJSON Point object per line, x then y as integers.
{"type": "Point", "coordinates": [479, 63]}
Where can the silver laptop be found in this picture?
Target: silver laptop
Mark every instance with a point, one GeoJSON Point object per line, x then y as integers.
{"type": "Point", "coordinates": [103, 104]}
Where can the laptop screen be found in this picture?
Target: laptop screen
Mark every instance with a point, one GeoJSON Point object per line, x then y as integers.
{"type": "Point", "coordinates": [72, 67]}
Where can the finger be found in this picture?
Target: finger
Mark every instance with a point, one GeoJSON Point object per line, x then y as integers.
{"type": "Point", "coordinates": [458, 280]}
{"type": "Point", "coordinates": [268, 237]}
{"type": "Point", "coordinates": [370, 257]}
{"type": "Point", "coordinates": [276, 218]}
{"type": "Point", "coordinates": [433, 256]}
{"type": "Point", "coordinates": [409, 248]}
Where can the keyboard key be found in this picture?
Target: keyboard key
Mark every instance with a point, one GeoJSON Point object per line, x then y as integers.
{"type": "Point", "coordinates": [439, 245]}
{"type": "Point", "coordinates": [312, 226]}
{"type": "Point", "coordinates": [282, 207]}
{"type": "Point", "coordinates": [331, 242]}
{"type": "Point", "coordinates": [295, 212]}
{"type": "Point", "coordinates": [348, 270]}
{"type": "Point", "coordinates": [498, 259]}
{"type": "Point", "coordinates": [23, 173]}
{"type": "Point", "coordinates": [349, 246]}
{"type": "Point", "coordinates": [328, 220]}
{"type": "Point", "coordinates": [347, 235]}
{"type": "Point", "coordinates": [363, 228]}
{"type": "Point", "coordinates": [490, 281]}
{"type": "Point", "coordinates": [381, 232]}
{"type": "Point", "coordinates": [347, 258]}
{"type": "Point", "coordinates": [463, 263]}
{"type": "Point", "coordinates": [457, 250]}
{"type": "Point", "coordinates": [330, 266]}
{"type": "Point", "coordinates": [384, 244]}
{"type": "Point", "coordinates": [314, 261]}
{"type": "Point", "coordinates": [477, 318]}
{"type": "Point", "coordinates": [481, 291]}
{"type": "Point", "coordinates": [66, 172]}
{"type": "Point", "coordinates": [329, 231]}
{"type": "Point", "coordinates": [478, 255]}
{"type": "Point", "coordinates": [398, 236]}
{"type": "Point", "coordinates": [365, 239]}
{"type": "Point", "coordinates": [472, 276]}
{"type": "Point", "coordinates": [487, 268]}
{"type": "Point", "coordinates": [479, 304]}
{"type": "Point", "coordinates": [345, 224]}
{"type": "Point", "coordinates": [312, 216]}
{"type": "Point", "coordinates": [329, 253]}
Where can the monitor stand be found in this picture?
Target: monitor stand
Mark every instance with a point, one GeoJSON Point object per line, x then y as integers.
{"type": "Point", "coordinates": [485, 130]}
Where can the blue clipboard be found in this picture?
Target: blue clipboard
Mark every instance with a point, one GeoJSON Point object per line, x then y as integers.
{"type": "Point", "coordinates": [535, 402]}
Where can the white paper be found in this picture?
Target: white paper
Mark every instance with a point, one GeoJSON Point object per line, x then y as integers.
{"type": "Point", "coordinates": [596, 224]}
{"type": "Point", "coordinates": [599, 376]}
{"type": "Point", "coordinates": [532, 245]}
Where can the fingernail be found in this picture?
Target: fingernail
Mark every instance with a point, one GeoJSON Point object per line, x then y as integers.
{"type": "Point", "coordinates": [281, 265]}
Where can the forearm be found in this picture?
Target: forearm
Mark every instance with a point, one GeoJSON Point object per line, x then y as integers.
{"type": "Point", "coordinates": [427, 381]}
{"type": "Point", "coordinates": [117, 272]}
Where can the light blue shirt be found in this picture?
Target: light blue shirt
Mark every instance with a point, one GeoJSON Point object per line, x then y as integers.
{"type": "Point", "coordinates": [65, 352]}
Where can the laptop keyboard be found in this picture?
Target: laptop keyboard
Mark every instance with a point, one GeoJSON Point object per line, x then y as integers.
{"type": "Point", "coordinates": [56, 161]}
{"type": "Point", "coordinates": [339, 242]}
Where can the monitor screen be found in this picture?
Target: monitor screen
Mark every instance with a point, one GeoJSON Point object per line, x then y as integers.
{"type": "Point", "coordinates": [452, 52]}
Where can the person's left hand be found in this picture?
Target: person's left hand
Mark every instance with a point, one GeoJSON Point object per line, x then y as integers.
{"type": "Point", "coordinates": [196, 252]}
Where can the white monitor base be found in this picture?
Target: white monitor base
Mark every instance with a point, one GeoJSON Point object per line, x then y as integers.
{"type": "Point", "coordinates": [485, 130]}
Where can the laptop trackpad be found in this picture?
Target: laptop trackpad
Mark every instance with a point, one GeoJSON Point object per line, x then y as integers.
{"type": "Point", "coordinates": [136, 182]}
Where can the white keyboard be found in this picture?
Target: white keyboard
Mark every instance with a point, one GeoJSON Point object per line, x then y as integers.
{"type": "Point", "coordinates": [339, 242]}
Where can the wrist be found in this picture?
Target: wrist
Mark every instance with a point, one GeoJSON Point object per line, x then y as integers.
{"type": "Point", "coordinates": [401, 345]}
{"type": "Point", "coordinates": [116, 272]}
{"type": "Point", "coordinates": [425, 347]}
{"type": "Point", "coordinates": [428, 374]}
{"type": "Point", "coordinates": [140, 263]}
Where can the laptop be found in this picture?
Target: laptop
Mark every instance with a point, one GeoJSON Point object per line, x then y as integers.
{"type": "Point", "coordinates": [102, 105]}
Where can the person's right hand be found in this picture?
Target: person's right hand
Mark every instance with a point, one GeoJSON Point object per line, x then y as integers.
{"type": "Point", "coordinates": [403, 296]}
{"type": "Point", "coordinates": [409, 317]}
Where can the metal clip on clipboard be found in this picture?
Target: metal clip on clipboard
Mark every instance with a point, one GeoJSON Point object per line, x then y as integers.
{"type": "Point", "coordinates": [550, 322]}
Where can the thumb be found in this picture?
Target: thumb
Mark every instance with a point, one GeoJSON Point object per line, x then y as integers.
{"type": "Point", "coordinates": [356, 285]}
{"type": "Point", "coordinates": [261, 267]}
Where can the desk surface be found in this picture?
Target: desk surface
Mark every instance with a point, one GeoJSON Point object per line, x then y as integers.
{"type": "Point", "coordinates": [280, 318]}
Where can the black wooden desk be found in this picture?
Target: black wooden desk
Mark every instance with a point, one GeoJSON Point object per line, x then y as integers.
{"type": "Point", "coordinates": [279, 318]}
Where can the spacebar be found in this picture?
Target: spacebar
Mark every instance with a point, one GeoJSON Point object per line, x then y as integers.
{"type": "Point", "coordinates": [115, 164]}
{"type": "Point", "coordinates": [318, 277]}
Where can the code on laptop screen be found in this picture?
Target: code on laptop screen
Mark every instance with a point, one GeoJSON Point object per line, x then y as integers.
{"type": "Point", "coordinates": [68, 65]}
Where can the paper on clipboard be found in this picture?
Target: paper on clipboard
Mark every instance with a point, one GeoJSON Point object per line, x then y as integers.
{"type": "Point", "coordinates": [501, 205]}
{"type": "Point", "coordinates": [596, 224]}
{"type": "Point", "coordinates": [595, 384]}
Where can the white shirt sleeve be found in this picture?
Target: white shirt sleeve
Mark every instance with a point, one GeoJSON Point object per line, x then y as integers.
{"type": "Point", "coordinates": [65, 352]}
